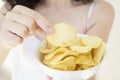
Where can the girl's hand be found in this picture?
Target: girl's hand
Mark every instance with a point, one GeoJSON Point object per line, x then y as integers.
{"type": "Point", "coordinates": [20, 23]}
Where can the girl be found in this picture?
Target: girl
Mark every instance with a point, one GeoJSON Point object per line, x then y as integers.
{"type": "Point", "coordinates": [22, 21]}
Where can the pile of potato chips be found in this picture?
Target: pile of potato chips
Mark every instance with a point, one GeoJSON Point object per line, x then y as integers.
{"type": "Point", "coordinates": [65, 51]}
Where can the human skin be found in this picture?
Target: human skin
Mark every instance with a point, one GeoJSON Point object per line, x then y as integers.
{"type": "Point", "coordinates": [22, 22]}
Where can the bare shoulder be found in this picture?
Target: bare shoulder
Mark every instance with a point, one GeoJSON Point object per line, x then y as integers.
{"type": "Point", "coordinates": [104, 4]}
{"type": "Point", "coordinates": [103, 14]}
{"type": "Point", "coordinates": [104, 9]}
{"type": "Point", "coordinates": [102, 19]}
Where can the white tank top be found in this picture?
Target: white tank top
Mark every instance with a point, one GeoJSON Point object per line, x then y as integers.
{"type": "Point", "coordinates": [89, 16]}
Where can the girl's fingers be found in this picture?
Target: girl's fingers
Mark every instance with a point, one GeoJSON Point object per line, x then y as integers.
{"type": "Point", "coordinates": [39, 19]}
{"type": "Point", "coordinates": [16, 28]}
{"type": "Point", "coordinates": [40, 34]}
{"type": "Point", "coordinates": [24, 20]}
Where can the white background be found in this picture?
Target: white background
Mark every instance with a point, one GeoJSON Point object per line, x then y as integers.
{"type": "Point", "coordinates": [1, 3]}
{"type": "Point", "coordinates": [110, 69]}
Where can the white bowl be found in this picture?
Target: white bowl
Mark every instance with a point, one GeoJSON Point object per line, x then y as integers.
{"type": "Point", "coordinates": [64, 75]}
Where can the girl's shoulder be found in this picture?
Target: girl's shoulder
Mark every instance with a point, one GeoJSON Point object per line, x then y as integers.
{"type": "Point", "coordinates": [103, 9]}
{"type": "Point", "coordinates": [103, 13]}
{"type": "Point", "coordinates": [101, 19]}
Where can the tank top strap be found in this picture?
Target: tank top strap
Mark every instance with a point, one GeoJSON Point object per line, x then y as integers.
{"type": "Point", "coordinates": [91, 8]}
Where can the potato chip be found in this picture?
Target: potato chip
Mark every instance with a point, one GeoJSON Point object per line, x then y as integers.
{"type": "Point", "coordinates": [46, 51]}
{"type": "Point", "coordinates": [92, 41]}
{"type": "Point", "coordinates": [65, 51]}
{"type": "Point", "coordinates": [79, 42]}
{"type": "Point", "coordinates": [67, 64]}
{"type": "Point", "coordinates": [50, 46]}
{"type": "Point", "coordinates": [59, 67]}
{"type": "Point", "coordinates": [56, 59]}
{"type": "Point", "coordinates": [59, 50]}
{"type": "Point", "coordinates": [64, 35]}
{"type": "Point", "coordinates": [81, 49]}
{"type": "Point", "coordinates": [66, 54]}
{"type": "Point", "coordinates": [84, 66]}
{"type": "Point", "coordinates": [99, 53]}
{"type": "Point", "coordinates": [47, 62]}
{"type": "Point", "coordinates": [84, 59]}
{"type": "Point", "coordinates": [78, 67]}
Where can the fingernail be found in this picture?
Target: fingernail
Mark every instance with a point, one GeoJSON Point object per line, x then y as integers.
{"type": "Point", "coordinates": [51, 31]}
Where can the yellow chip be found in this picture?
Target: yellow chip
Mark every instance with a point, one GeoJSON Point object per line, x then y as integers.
{"type": "Point", "coordinates": [92, 41]}
{"type": "Point", "coordinates": [46, 62]}
{"type": "Point", "coordinates": [78, 67]}
{"type": "Point", "coordinates": [59, 67]}
{"type": "Point", "coordinates": [84, 59]}
{"type": "Point", "coordinates": [99, 53]}
{"type": "Point", "coordinates": [49, 46]}
{"type": "Point", "coordinates": [65, 35]}
{"type": "Point", "coordinates": [65, 51]}
{"type": "Point", "coordinates": [46, 51]}
{"type": "Point", "coordinates": [60, 57]}
{"type": "Point", "coordinates": [79, 42]}
{"type": "Point", "coordinates": [83, 66]}
{"type": "Point", "coordinates": [81, 49]}
{"type": "Point", "coordinates": [57, 51]}
{"type": "Point", "coordinates": [67, 64]}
